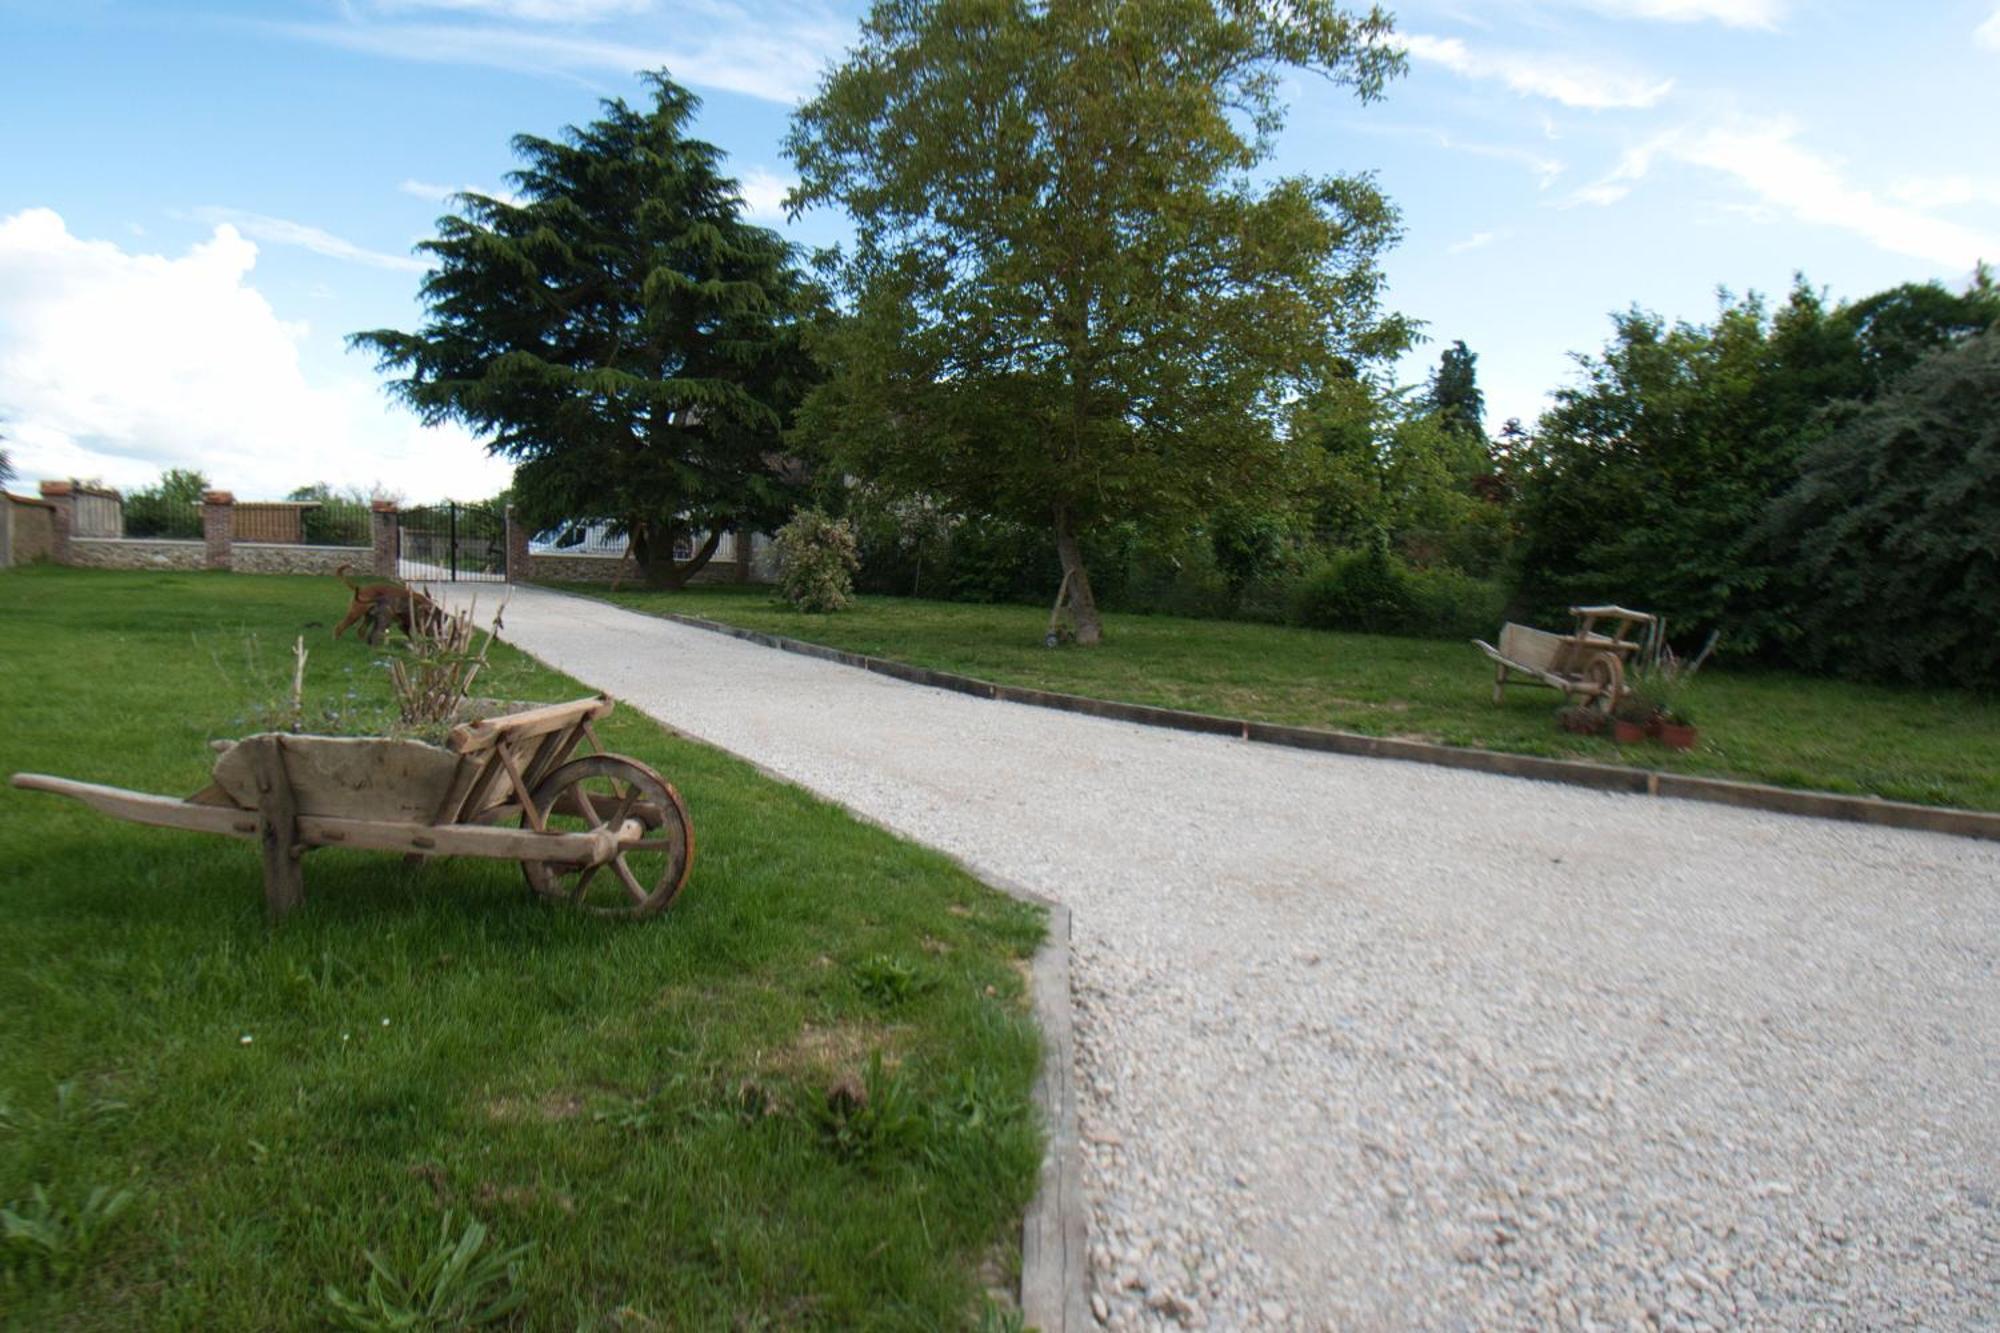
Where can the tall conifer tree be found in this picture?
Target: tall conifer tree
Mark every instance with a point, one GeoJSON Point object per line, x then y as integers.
{"type": "Point", "coordinates": [619, 332]}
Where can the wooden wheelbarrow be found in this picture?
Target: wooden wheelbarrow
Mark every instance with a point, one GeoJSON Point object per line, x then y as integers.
{"type": "Point", "coordinates": [1582, 664]}
{"type": "Point", "coordinates": [601, 831]}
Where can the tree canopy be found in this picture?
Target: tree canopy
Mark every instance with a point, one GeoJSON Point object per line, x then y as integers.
{"type": "Point", "coordinates": [1069, 304]}
{"type": "Point", "coordinates": [620, 332]}
{"type": "Point", "coordinates": [1895, 526]}
{"type": "Point", "coordinates": [1649, 480]}
{"type": "Point", "coordinates": [1454, 395]}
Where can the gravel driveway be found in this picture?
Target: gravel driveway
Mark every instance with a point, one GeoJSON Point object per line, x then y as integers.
{"type": "Point", "coordinates": [1368, 1044]}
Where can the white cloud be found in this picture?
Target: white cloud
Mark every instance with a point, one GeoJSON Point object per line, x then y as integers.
{"type": "Point", "coordinates": [764, 193]}
{"type": "Point", "coordinates": [1946, 191]}
{"type": "Point", "coordinates": [1554, 77]}
{"type": "Point", "coordinates": [282, 231]}
{"type": "Point", "coordinates": [117, 364]}
{"type": "Point", "coordinates": [1477, 241]}
{"type": "Point", "coordinates": [1766, 159]}
{"type": "Point", "coordinates": [1729, 13]}
{"type": "Point", "coordinates": [445, 194]}
{"type": "Point", "coordinates": [777, 58]}
{"type": "Point", "coordinates": [538, 11]}
{"type": "Point", "coordinates": [1988, 33]}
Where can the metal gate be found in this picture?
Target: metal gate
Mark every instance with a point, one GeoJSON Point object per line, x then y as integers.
{"type": "Point", "coordinates": [452, 543]}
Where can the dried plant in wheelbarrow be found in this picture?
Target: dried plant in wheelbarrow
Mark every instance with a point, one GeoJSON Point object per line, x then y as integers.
{"type": "Point", "coordinates": [434, 677]}
{"type": "Point", "coordinates": [601, 831]}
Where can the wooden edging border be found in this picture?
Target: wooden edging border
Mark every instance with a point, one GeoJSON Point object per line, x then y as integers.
{"type": "Point", "coordinates": [1576, 772]}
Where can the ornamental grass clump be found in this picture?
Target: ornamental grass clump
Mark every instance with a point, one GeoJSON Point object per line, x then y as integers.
{"type": "Point", "coordinates": [817, 559]}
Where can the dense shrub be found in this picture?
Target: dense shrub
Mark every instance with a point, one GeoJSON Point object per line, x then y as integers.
{"type": "Point", "coordinates": [1372, 592]}
{"type": "Point", "coordinates": [1894, 529]}
{"type": "Point", "coordinates": [816, 561]}
{"type": "Point", "coordinates": [1366, 591]}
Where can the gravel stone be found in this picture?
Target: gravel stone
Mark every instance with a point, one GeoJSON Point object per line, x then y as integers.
{"type": "Point", "coordinates": [1368, 1044]}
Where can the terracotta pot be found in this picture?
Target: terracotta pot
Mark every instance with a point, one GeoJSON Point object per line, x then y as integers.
{"type": "Point", "coordinates": [1627, 733]}
{"type": "Point", "coordinates": [1677, 735]}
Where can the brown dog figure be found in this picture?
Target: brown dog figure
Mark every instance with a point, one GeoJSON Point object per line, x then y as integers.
{"type": "Point", "coordinates": [384, 604]}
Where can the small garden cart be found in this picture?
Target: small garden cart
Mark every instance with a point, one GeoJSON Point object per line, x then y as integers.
{"type": "Point", "coordinates": [601, 831]}
{"type": "Point", "coordinates": [1585, 663]}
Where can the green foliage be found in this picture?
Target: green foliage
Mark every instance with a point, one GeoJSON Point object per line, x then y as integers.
{"type": "Point", "coordinates": [453, 1286]}
{"type": "Point", "coordinates": [1454, 397]}
{"type": "Point", "coordinates": [1388, 469]}
{"type": "Point", "coordinates": [1373, 592]}
{"type": "Point", "coordinates": [1070, 309]}
{"type": "Point", "coordinates": [620, 332]}
{"type": "Point", "coordinates": [1650, 481]}
{"type": "Point", "coordinates": [1894, 526]}
{"type": "Point", "coordinates": [337, 518]}
{"type": "Point", "coordinates": [170, 507]}
{"type": "Point", "coordinates": [48, 1240]}
{"type": "Point", "coordinates": [872, 1121]}
{"type": "Point", "coordinates": [817, 560]}
{"type": "Point", "coordinates": [887, 982]}
{"type": "Point", "coordinates": [1367, 592]}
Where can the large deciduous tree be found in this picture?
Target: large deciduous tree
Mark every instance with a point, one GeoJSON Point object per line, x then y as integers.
{"type": "Point", "coordinates": [1069, 304]}
{"type": "Point", "coordinates": [619, 331]}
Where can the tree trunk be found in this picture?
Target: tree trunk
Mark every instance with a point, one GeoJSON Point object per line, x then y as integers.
{"type": "Point", "coordinates": [1082, 602]}
{"type": "Point", "coordinates": [662, 571]}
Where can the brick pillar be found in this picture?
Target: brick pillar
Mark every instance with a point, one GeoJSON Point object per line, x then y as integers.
{"type": "Point", "coordinates": [520, 564]}
{"type": "Point", "coordinates": [382, 527]}
{"type": "Point", "coordinates": [62, 495]}
{"type": "Point", "coordinates": [218, 527]}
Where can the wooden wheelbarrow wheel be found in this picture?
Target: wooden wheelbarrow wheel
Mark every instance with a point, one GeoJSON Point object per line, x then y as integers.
{"type": "Point", "coordinates": [602, 791]}
{"type": "Point", "coordinates": [1604, 675]}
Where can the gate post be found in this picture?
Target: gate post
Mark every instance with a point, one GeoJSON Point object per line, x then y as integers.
{"type": "Point", "coordinates": [520, 565]}
{"type": "Point", "coordinates": [382, 528]}
{"type": "Point", "coordinates": [218, 528]}
{"type": "Point", "coordinates": [62, 500]}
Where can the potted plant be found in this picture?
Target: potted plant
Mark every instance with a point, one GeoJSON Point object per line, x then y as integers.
{"type": "Point", "coordinates": [1670, 680]}
{"type": "Point", "coordinates": [1632, 719]}
{"type": "Point", "coordinates": [1675, 728]}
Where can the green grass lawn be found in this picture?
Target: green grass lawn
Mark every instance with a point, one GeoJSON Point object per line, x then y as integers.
{"type": "Point", "coordinates": [643, 1105]}
{"type": "Point", "coordinates": [1937, 747]}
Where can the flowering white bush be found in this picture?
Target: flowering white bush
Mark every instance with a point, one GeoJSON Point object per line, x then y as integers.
{"type": "Point", "coordinates": [817, 560]}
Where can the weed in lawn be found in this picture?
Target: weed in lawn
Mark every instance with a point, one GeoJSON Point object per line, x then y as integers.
{"type": "Point", "coordinates": [888, 982]}
{"type": "Point", "coordinates": [453, 1286]}
{"type": "Point", "coordinates": [50, 1239]}
{"type": "Point", "coordinates": [873, 1119]}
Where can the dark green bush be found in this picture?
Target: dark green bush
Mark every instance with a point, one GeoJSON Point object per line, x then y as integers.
{"type": "Point", "coordinates": [1365, 591]}
{"type": "Point", "coordinates": [1372, 592]}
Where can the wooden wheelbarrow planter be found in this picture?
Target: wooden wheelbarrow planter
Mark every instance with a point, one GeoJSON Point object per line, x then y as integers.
{"type": "Point", "coordinates": [601, 831]}
{"type": "Point", "coordinates": [1582, 664]}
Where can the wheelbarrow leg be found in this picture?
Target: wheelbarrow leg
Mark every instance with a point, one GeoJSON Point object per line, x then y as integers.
{"type": "Point", "coordinates": [277, 830]}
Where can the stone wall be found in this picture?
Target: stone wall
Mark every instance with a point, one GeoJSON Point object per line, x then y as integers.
{"type": "Point", "coordinates": [285, 558]}
{"type": "Point", "coordinates": [27, 530]}
{"type": "Point", "coordinates": [138, 553]}
{"type": "Point", "coordinates": [580, 568]}
{"type": "Point", "coordinates": [761, 566]}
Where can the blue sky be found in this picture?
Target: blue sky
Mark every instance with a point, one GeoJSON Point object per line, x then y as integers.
{"type": "Point", "coordinates": [198, 201]}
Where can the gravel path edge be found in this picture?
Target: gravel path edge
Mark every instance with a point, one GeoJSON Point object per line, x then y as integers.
{"type": "Point", "coordinates": [1953, 820]}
